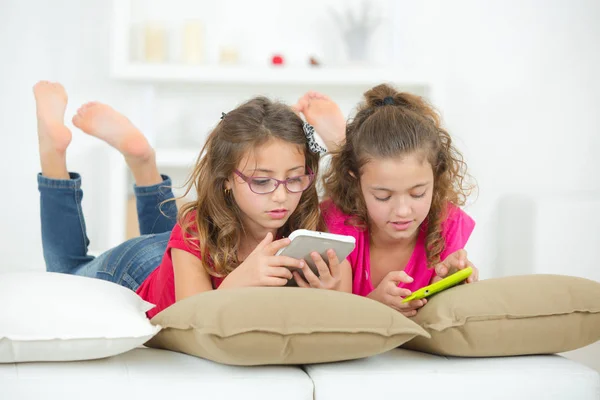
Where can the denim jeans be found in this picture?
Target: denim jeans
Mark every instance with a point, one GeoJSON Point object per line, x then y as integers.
{"type": "Point", "coordinates": [65, 242]}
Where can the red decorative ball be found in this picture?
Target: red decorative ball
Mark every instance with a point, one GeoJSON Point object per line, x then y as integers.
{"type": "Point", "coordinates": [277, 60]}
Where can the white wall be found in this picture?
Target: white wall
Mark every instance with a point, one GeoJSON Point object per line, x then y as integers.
{"type": "Point", "coordinates": [520, 94]}
{"type": "Point", "coordinates": [65, 41]}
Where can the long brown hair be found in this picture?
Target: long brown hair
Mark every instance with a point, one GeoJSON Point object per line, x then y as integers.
{"type": "Point", "coordinates": [392, 124]}
{"type": "Point", "coordinates": [212, 223]}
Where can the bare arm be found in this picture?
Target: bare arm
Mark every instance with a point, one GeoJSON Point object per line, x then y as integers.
{"type": "Point", "coordinates": [346, 273]}
{"type": "Point", "coordinates": [190, 276]}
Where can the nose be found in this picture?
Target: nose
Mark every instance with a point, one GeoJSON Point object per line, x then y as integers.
{"type": "Point", "coordinates": [402, 208]}
{"type": "Point", "coordinates": [280, 194]}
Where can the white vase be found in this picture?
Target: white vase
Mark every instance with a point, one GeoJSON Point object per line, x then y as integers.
{"type": "Point", "coordinates": [357, 44]}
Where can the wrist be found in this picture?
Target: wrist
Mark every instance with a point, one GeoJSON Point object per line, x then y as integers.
{"type": "Point", "coordinates": [229, 282]}
{"type": "Point", "coordinates": [373, 295]}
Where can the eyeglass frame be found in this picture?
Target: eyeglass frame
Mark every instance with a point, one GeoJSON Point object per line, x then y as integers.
{"type": "Point", "coordinates": [246, 179]}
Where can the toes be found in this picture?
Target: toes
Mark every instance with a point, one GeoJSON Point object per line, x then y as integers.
{"type": "Point", "coordinates": [301, 105]}
{"type": "Point", "coordinates": [54, 86]}
{"type": "Point", "coordinates": [77, 120]}
{"type": "Point", "coordinates": [81, 111]}
{"type": "Point", "coordinates": [87, 105]}
{"type": "Point", "coordinates": [316, 95]}
{"type": "Point", "coordinates": [49, 88]}
{"type": "Point", "coordinates": [305, 98]}
{"type": "Point", "coordinates": [39, 85]}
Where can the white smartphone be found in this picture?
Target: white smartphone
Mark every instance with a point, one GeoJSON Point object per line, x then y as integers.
{"type": "Point", "coordinates": [305, 242]}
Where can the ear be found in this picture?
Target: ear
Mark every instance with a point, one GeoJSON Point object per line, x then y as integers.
{"type": "Point", "coordinates": [352, 174]}
{"type": "Point", "coordinates": [227, 184]}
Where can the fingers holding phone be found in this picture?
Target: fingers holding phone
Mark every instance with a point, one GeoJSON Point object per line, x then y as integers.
{"type": "Point", "coordinates": [453, 263]}
{"type": "Point", "coordinates": [329, 277]}
{"type": "Point", "coordinates": [324, 255]}
{"type": "Point", "coordinates": [397, 295]}
{"type": "Point", "coordinates": [388, 293]}
{"type": "Point", "coordinates": [263, 267]}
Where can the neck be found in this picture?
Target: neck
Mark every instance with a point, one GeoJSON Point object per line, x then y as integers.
{"type": "Point", "coordinates": [380, 239]}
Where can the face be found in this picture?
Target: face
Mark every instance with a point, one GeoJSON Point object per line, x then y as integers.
{"type": "Point", "coordinates": [397, 193]}
{"type": "Point", "coordinates": [275, 159]}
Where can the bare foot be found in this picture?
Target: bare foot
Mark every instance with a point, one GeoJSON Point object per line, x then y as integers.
{"type": "Point", "coordinates": [114, 128]}
{"type": "Point", "coordinates": [325, 115]}
{"type": "Point", "coordinates": [50, 104]}
{"type": "Point", "coordinates": [53, 136]}
{"type": "Point", "coordinates": [103, 122]}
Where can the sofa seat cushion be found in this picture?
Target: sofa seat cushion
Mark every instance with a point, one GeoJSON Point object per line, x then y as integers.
{"type": "Point", "coordinates": [409, 374]}
{"type": "Point", "coordinates": [151, 374]}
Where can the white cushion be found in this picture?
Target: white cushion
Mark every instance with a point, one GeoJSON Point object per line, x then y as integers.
{"type": "Point", "coordinates": [151, 374]}
{"type": "Point", "coordinates": [406, 374]}
{"type": "Point", "coordinates": [56, 317]}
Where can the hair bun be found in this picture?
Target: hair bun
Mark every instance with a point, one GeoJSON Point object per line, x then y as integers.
{"type": "Point", "coordinates": [381, 95]}
{"type": "Point", "coordinates": [388, 101]}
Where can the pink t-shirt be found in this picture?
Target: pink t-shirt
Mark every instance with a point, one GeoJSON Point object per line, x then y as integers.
{"type": "Point", "coordinates": [455, 230]}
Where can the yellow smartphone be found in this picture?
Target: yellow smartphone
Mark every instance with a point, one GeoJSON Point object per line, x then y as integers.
{"type": "Point", "coordinates": [446, 283]}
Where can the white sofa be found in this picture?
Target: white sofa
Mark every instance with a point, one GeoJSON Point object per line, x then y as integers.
{"type": "Point", "coordinates": [158, 374]}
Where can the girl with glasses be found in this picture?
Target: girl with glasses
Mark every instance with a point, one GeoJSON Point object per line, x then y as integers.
{"type": "Point", "coordinates": [254, 185]}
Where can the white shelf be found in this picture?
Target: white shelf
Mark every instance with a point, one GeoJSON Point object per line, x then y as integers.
{"type": "Point", "coordinates": [350, 76]}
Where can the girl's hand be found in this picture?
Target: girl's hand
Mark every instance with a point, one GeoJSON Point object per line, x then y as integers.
{"type": "Point", "coordinates": [262, 267]}
{"type": "Point", "coordinates": [330, 277]}
{"type": "Point", "coordinates": [455, 261]}
{"type": "Point", "coordinates": [388, 293]}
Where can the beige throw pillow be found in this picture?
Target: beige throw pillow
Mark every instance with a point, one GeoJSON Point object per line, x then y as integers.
{"type": "Point", "coordinates": [258, 326]}
{"type": "Point", "coordinates": [530, 314]}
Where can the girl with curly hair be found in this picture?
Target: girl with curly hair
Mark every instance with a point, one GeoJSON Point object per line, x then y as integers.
{"type": "Point", "coordinates": [396, 184]}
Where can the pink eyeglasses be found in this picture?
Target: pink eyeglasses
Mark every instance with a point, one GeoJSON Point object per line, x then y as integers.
{"type": "Point", "coordinates": [265, 185]}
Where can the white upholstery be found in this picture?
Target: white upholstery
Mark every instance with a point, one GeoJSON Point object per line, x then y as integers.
{"type": "Point", "coordinates": [157, 374]}
{"type": "Point", "coordinates": [403, 374]}
{"type": "Point", "coordinates": [150, 374]}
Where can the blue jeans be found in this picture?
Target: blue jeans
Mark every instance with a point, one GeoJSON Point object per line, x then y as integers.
{"type": "Point", "coordinates": [65, 242]}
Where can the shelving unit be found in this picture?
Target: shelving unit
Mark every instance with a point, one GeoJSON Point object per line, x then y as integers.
{"type": "Point", "coordinates": [227, 75]}
{"type": "Point", "coordinates": [152, 79]}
